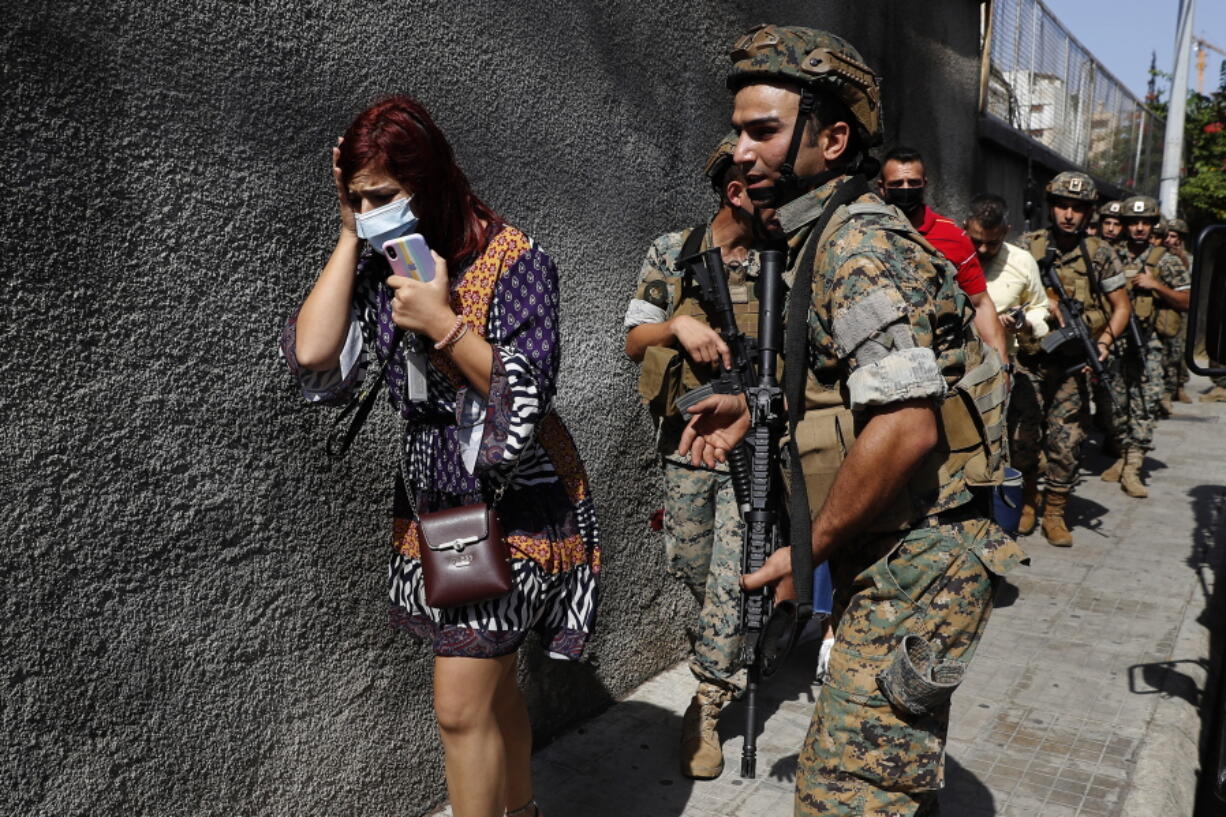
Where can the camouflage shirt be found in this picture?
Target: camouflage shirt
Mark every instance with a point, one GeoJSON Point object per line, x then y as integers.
{"type": "Point", "coordinates": [887, 323]}
{"type": "Point", "coordinates": [662, 287]}
{"type": "Point", "coordinates": [1170, 270]}
{"type": "Point", "coordinates": [1104, 261]}
{"type": "Point", "coordinates": [873, 318]}
{"type": "Point", "coordinates": [659, 285]}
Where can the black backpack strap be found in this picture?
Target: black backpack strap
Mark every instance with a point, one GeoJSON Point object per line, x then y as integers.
{"type": "Point", "coordinates": [795, 371]}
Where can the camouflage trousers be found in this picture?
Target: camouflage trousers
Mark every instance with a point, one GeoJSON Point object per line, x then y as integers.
{"type": "Point", "coordinates": [1174, 369]}
{"type": "Point", "coordinates": [1025, 419]}
{"type": "Point", "coordinates": [702, 541]}
{"type": "Point", "coordinates": [863, 756]}
{"type": "Point", "coordinates": [1067, 399]}
{"type": "Point", "coordinates": [1137, 389]}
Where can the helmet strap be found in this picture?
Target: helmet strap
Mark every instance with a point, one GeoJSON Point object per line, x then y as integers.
{"type": "Point", "coordinates": [790, 186]}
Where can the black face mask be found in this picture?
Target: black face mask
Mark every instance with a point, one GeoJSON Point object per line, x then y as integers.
{"type": "Point", "coordinates": [907, 199]}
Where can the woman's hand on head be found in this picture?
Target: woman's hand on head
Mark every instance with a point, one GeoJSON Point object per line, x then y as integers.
{"type": "Point", "coordinates": [424, 308]}
{"type": "Point", "coordinates": [342, 195]}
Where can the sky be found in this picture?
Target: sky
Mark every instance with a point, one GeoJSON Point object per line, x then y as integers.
{"type": "Point", "coordinates": [1122, 33]}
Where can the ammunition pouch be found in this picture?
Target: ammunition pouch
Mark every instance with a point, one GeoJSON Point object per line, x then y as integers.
{"type": "Point", "coordinates": [1143, 307]}
{"type": "Point", "coordinates": [823, 438]}
{"type": "Point", "coordinates": [1096, 319]}
{"type": "Point", "coordinates": [660, 380]}
{"type": "Point", "coordinates": [915, 681]}
{"type": "Point", "coordinates": [973, 419]}
{"type": "Point", "coordinates": [1168, 322]}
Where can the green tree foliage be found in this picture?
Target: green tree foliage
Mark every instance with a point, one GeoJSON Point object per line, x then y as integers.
{"type": "Point", "coordinates": [1202, 193]}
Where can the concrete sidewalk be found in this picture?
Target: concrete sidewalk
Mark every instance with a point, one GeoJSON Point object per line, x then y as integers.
{"type": "Point", "coordinates": [1082, 699]}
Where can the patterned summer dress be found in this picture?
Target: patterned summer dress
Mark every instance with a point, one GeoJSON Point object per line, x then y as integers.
{"type": "Point", "coordinates": [454, 441]}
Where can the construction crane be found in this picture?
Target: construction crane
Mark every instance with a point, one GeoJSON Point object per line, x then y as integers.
{"type": "Point", "coordinates": [1203, 45]}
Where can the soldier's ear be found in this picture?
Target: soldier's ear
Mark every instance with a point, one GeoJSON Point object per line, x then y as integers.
{"type": "Point", "coordinates": [833, 141]}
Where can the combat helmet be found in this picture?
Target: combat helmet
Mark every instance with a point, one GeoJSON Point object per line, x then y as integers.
{"type": "Point", "coordinates": [1136, 207]}
{"type": "Point", "coordinates": [719, 160]}
{"type": "Point", "coordinates": [1072, 185]}
{"type": "Point", "coordinates": [813, 59]}
{"type": "Point", "coordinates": [1177, 225]}
{"type": "Point", "coordinates": [1112, 209]}
{"type": "Point", "coordinates": [819, 63]}
{"type": "Point", "coordinates": [1160, 228]}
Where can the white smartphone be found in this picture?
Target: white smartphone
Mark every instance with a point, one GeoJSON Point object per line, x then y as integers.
{"type": "Point", "coordinates": [410, 256]}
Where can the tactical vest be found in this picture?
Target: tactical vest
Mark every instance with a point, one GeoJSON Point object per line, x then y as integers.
{"type": "Point", "coordinates": [1153, 313]}
{"type": "Point", "coordinates": [666, 372]}
{"type": "Point", "coordinates": [1075, 277]}
{"type": "Point", "coordinates": [972, 414]}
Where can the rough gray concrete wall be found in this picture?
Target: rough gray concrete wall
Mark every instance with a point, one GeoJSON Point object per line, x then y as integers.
{"type": "Point", "coordinates": [193, 597]}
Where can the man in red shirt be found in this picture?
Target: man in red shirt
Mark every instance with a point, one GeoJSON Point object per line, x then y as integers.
{"type": "Point", "coordinates": [902, 184]}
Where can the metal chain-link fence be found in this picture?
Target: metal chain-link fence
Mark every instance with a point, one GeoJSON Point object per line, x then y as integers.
{"type": "Point", "coordinates": [1047, 85]}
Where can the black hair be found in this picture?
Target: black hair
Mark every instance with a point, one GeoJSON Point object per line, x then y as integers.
{"type": "Point", "coordinates": [903, 155]}
{"type": "Point", "coordinates": [989, 211]}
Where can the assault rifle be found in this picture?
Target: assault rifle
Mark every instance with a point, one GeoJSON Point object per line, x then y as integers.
{"type": "Point", "coordinates": [754, 466]}
{"type": "Point", "coordinates": [1073, 338]}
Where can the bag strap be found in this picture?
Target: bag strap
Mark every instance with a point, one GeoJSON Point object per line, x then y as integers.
{"type": "Point", "coordinates": [795, 371]}
{"type": "Point", "coordinates": [337, 443]}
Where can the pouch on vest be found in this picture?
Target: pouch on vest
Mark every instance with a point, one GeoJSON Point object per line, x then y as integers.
{"type": "Point", "coordinates": [660, 380]}
{"type": "Point", "coordinates": [823, 438]}
{"type": "Point", "coordinates": [973, 420]}
{"type": "Point", "coordinates": [1167, 322]}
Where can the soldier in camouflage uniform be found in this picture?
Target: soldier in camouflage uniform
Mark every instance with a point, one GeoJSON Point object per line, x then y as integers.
{"type": "Point", "coordinates": [1159, 285]}
{"type": "Point", "coordinates": [1174, 366]}
{"type": "Point", "coordinates": [1089, 272]}
{"type": "Point", "coordinates": [890, 347]}
{"type": "Point", "coordinates": [669, 333]}
{"type": "Point", "coordinates": [1110, 228]}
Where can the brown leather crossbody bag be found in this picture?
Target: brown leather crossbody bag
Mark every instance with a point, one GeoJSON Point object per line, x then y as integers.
{"type": "Point", "coordinates": [464, 559]}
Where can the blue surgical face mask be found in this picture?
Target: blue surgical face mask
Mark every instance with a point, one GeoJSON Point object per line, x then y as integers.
{"type": "Point", "coordinates": [385, 223]}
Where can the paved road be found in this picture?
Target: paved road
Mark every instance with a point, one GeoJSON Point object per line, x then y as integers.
{"type": "Point", "coordinates": [1085, 646]}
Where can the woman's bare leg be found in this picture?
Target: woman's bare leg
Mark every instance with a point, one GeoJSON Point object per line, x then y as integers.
{"type": "Point", "coordinates": [516, 732]}
{"type": "Point", "coordinates": [465, 694]}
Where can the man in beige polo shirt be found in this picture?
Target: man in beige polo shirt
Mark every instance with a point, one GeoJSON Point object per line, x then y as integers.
{"type": "Point", "coordinates": [1013, 282]}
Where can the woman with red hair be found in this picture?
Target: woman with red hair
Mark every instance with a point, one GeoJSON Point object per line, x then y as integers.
{"type": "Point", "coordinates": [485, 331]}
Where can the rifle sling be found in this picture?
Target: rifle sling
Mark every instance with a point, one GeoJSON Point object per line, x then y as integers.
{"type": "Point", "coordinates": [795, 370]}
{"type": "Point", "coordinates": [690, 247]}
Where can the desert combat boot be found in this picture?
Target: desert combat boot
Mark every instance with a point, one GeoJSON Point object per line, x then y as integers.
{"type": "Point", "coordinates": [702, 758]}
{"type": "Point", "coordinates": [1130, 477]}
{"type": "Point", "coordinates": [1054, 529]}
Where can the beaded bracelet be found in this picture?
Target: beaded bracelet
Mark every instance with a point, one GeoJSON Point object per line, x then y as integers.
{"type": "Point", "coordinates": [456, 332]}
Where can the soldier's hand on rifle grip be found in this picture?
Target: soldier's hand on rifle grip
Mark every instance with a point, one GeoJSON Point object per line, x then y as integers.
{"type": "Point", "coordinates": [719, 423]}
{"type": "Point", "coordinates": [777, 572]}
{"type": "Point", "coordinates": [1053, 309]}
{"type": "Point", "coordinates": [702, 343]}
